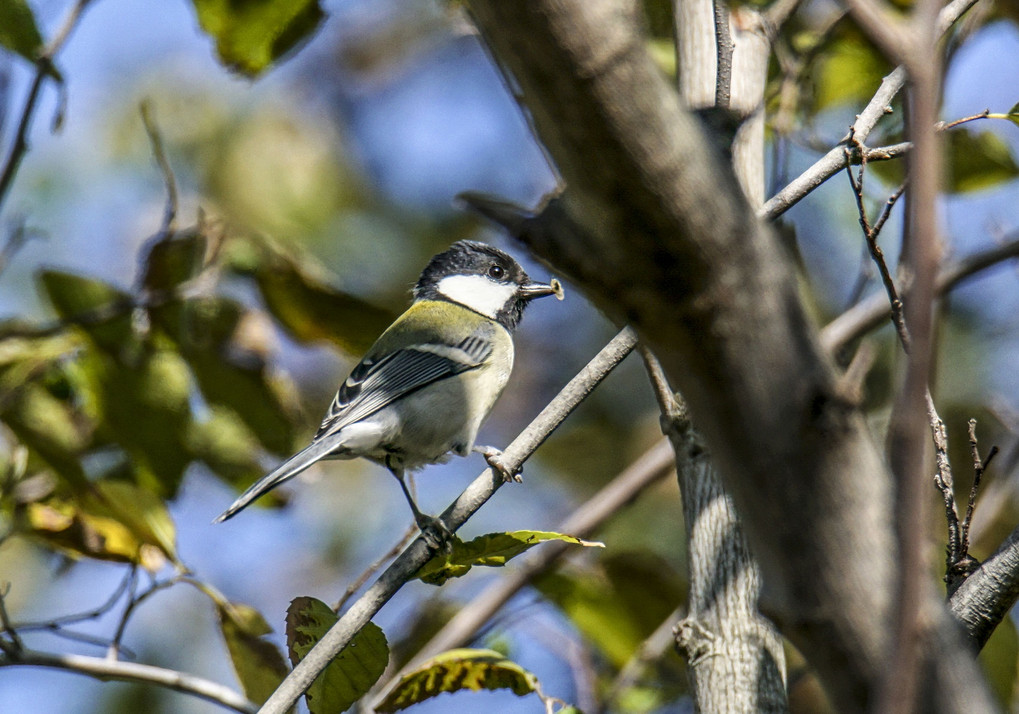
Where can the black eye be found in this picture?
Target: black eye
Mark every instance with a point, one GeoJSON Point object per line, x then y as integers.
{"type": "Point", "coordinates": [497, 272]}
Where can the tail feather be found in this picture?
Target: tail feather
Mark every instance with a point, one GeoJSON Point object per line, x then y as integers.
{"type": "Point", "coordinates": [287, 470]}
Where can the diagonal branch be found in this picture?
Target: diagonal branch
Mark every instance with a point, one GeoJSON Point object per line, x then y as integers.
{"type": "Point", "coordinates": [652, 466]}
{"type": "Point", "coordinates": [418, 553]}
{"type": "Point", "coordinates": [834, 161]}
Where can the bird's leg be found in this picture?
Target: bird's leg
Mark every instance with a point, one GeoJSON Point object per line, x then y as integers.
{"type": "Point", "coordinates": [494, 458]}
{"type": "Point", "coordinates": [434, 531]}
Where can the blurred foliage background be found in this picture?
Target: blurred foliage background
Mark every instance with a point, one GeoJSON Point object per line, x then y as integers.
{"type": "Point", "coordinates": [152, 365]}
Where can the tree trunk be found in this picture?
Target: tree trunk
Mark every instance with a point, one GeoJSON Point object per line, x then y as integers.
{"type": "Point", "coordinates": [655, 228]}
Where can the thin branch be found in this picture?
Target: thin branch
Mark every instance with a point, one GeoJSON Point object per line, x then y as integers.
{"type": "Point", "coordinates": [44, 70]}
{"type": "Point", "coordinates": [159, 154]}
{"type": "Point", "coordinates": [418, 553]}
{"type": "Point", "coordinates": [834, 161]}
{"type": "Point", "coordinates": [724, 47]}
{"type": "Point", "coordinates": [404, 541]}
{"type": "Point", "coordinates": [106, 669]}
{"type": "Point", "coordinates": [872, 312]}
{"type": "Point", "coordinates": [92, 614]}
{"type": "Point", "coordinates": [979, 466]}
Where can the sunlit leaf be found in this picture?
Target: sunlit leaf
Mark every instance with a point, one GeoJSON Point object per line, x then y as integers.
{"type": "Point", "coordinates": [978, 160]}
{"type": "Point", "coordinates": [103, 311]}
{"type": "Point", "coordinates": [493, 550]}
{"type": "Point", "coordinates": [174, 260]}
{"type": "Point", "coordinates": [142, 511]}
{"type": "Point", "coordinates": [999, 658]}
{"type": "Point", "coordinates": [250, 36]}
{"type": "Point", "coordinates": [258, 663]}
{"type": "Point", "coordinates": [116, 521]}
{"type": "Point", "coordinates": [18, 31]}
{"type": "Point", "coordinates": [312, 310]}
{"type": "Point", "coordinates": [456, 670]}
{"type": "Point", "coordinates": [351, 674]}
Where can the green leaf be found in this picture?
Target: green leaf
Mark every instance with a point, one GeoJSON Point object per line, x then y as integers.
{"type": "Point", "coordinates": [352, 673]}
{"type": "Point", "coordinates": [311, 310]}
{"type": "Point", "coordinates": [18, 31]}
{"type": "Point", "coordinates": [48, 427]}
{"type": "Point", "coordinates": [174, 260]}
{"type": "Point", "coordinates": [999, 658]}
{"type": "Point", "coordinates": [258, 663]}
{"type": "Point", "coordinates": [251, 35]}
{"type": "Point", "coordinates": [493, 550]}
{"type": "Point", "coordinates": [978, 160]}
{"type": "Point", "coordinates": [207, 331]}
{"type": "Point", "coordinates": [145, 407]}
{"type": "Point", "coordinates": [456, 670]}
{"type": "Point", "coordinates": [103, 311]}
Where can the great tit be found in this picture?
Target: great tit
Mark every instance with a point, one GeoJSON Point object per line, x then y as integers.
{"type": "Point", "coordinates": [429, 381]}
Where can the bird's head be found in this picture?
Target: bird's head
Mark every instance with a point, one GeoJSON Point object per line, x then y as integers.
{"type": "Point", "coordinates": [483, 279]}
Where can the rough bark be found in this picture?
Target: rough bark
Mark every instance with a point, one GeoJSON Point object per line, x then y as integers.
{"type": "Point", "coordinates": [735, 657]}
{"type": "Point", "coordinates": [654, 227]}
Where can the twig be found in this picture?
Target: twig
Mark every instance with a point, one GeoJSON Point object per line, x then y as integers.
{"type": "Point", "coordinates": [16, 645]}
{"type": "Point", "coordinates": [979, 466]}
{"type": "Point", "coordinates": [156, 141]}
{"type": "Point", "coordinates": [870, 234]}
{"type": "Point", "coordinates": [952, 124]}
{"type": "Point", "coordinates": [44, 69]}
{"type": "Point", "coordinates": [418, 553]}
{"type": "Point", "coordinates": [106, 669]}
{"type": "Point", "coordinates": [404, 541]}
{"type": "Point", "coordinates": [833, 162]}
{"type": "Point", "coordinates": [724, 48]}
{"type": "Point", "coordinates": [872, 312]}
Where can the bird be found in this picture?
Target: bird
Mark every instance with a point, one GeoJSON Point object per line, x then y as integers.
{"type": "Point", "coordinates": [424, 388]}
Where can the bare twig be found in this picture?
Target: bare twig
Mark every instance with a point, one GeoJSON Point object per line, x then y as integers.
{"type": "Point", "coordinates": [979, 466]}
{"type": "Point", "coordinates": [106, 669]}
{"type": "Point", "coordinates": [724, 48]}
{"type": "Point", "coordinates": [159, 154]}
{"type": "Point", "coordinates": [834, 161]}
{"type": "Point", "coordinates": [44, 70]}
{"type": "Point", "coordinates": [872, 312]}
{"type": "Point", "coordinates": [360, 580]}
{"type": "Point", "coordinates": [15, 645]}
{"type": "Point", "coordinates": [418, 553]}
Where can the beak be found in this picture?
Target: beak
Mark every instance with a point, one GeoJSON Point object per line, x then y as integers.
{"type": "Point", "coordinates": [532, 290]}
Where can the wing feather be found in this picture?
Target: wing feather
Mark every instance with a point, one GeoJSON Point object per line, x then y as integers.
{"type": "Point", "coordinates": [375, 384]}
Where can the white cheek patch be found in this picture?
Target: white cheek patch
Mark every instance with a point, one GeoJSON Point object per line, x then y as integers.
{"type": "Point", "coordinates": [477, 293]}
